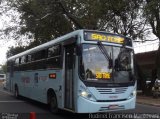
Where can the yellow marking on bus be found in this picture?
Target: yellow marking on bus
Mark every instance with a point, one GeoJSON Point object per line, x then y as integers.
{"type": "Point", "coordinates": [103, 75]}
{"type": "Point", "coordinates": [100, 37]}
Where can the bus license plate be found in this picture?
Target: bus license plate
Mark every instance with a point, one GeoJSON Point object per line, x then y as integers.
{"type": "Point", "coordinates": [113, 107]}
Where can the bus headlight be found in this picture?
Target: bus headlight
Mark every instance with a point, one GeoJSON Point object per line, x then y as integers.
{"type": "Point", "coordinates": [85, 93]}
{"type": "Point", "coordinates": [133, 94]}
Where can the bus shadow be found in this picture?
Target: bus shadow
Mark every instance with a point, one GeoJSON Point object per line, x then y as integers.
{"type": "Point", "coordinates": [33, 102]}
{"type": "Point", "coordinates": [61, 114]}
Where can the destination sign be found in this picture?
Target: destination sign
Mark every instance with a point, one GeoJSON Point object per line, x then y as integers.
{"type": "Point", "coordinates": [104, 37]}
{"type": "Point", "coordinates": [103, 75]}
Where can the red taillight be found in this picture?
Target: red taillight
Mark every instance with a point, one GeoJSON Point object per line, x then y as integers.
{"type": "Point", "coordinates": [52, 75]}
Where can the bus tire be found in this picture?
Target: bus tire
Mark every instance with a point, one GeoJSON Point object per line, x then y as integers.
{"type": "Point", "coordinates": [16, 92]}
{"type": "Point", "coordinates": [53, 104]}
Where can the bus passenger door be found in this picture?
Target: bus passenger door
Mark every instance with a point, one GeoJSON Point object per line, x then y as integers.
{"type": "Point", "coordinates": [69, 76]}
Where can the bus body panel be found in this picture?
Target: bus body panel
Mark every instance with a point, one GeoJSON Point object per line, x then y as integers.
{"type": "Point", "coordinates": [87, 106]}
{"type": "Point", "coordinates": [103, 102]}
{"type": "Point", "coordinates": [35, 84]}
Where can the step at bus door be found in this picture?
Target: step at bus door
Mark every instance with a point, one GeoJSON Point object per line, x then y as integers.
{"type": "Point", "coordinates": [69, 76]}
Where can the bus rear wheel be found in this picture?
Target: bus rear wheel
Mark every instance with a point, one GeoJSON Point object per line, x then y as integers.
{"type": "Point", "coordinates": [53, 104]}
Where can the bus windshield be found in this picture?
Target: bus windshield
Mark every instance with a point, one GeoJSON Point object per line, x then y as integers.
{"type": "Point", "coordinates": [94, 66]}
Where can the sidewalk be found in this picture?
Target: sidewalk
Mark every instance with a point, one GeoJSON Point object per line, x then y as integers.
{"type": "Point", "coordinates": [148, 100]}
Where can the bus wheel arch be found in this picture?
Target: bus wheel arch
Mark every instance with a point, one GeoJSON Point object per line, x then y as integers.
{"type": "Point", "coordinates": [52, 101]}
{"type": "Point", "coordinates": [16, 91]}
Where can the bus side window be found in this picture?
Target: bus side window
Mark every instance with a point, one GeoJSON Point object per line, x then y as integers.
{"type": "Point", "coordinates": [16, 64]}
{"type": "Point", "coordinates": [38, 55]}
{"type": "Point", "coordinates": [32, 57]}
{"type": "Point", "coordinates": [54, 57]}
{"type": "Point", "coordinates": [20, 60]}
{"type": "Point", "coordinates": [23, 65]}
{"type": "Point", "coordinates": [17, 61]}
{"type": "Point", "coordinates": [23, 60]}
{"type": "Point", "coordinates": [36, 60]}
{"type": "Point", "coordinates": [54, 51]}
{"type": "Point", "coordinates": [29, 58]}
{"type": "Point", "coordinates": [11, 69]}
{"type": "Point", "coordinates": [41, 64]}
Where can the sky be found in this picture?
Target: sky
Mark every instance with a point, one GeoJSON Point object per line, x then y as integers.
{"type": "Point", "coordinates": [9, 18]}
{"type": "Point", "coordinates": [6, 20]}
{"type": "Point", "coordinates": [3, 51]}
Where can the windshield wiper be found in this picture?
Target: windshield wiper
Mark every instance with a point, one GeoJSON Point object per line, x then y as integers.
{"type": "Point", "coordinates": [117, 61]}
{"type": "Point", "coordinates": [105, 53]}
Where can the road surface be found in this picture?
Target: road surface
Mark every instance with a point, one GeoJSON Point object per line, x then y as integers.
{"type": "Point", "coordinates": [21, 108]}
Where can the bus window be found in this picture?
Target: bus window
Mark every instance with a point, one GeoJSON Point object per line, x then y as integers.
{"type": "Point", "coordinates": [17, 61]}
{"type": "Point", "coordinates": [38, 55]}
{"type": "Point", "coordinates": [11, 70]}
{"type": "Point", "coordinates": [28, 58]}
{"type": "Point", "coordinates": [54, 57]}
{"type": "Point", "coordinates": [20, 60]}
{"type": "Point", "coordinates": [23, 60]}
{"type": "Point", "coordinates": [95, 68]}
{"type": "Point", "coordinates": [54, 51]}
{"type": "Point", "coordinates": [16, 64]}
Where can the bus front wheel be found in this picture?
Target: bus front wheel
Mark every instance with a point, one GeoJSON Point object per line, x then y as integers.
{"type": "Point", "coordinates": [53, 104]}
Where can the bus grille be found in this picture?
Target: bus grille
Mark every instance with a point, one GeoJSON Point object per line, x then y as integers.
{"type": "Point", "coordinates": [112, 90]}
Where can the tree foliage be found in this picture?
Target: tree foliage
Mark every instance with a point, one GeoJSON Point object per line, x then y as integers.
{"type": "Point", "coordinates": [15, 50]}
{"type": "Point", "coordinates": [152, 14]}
{"type": "Point", "coordinates": [43, 18]}
{"type": "Point", "coordinates": [46, 19]}
{"type": "Point", "coordinates": [4, 68]}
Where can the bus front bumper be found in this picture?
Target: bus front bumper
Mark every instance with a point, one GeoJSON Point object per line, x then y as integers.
{"type": "Point", "coordinates": [87, 106]}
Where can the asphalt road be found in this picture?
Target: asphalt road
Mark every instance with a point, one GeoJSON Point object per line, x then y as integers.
{"type": "Point", "coordinates": [21, 108]}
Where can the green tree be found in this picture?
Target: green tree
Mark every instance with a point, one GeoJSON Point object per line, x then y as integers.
{"type": "Point", "coordinates": [15, 50]}
{"type": "Point", "coordinates": [152, 13]}
{"type": "Point", "coordinates": [46, 19]}
{"type": "Point", "coordinates": [4, 68]}
{"type": "Point", "coordinates": [43, 18]}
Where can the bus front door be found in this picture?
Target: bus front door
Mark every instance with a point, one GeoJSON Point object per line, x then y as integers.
{"type": "Point", "coordinates": [69, 76]}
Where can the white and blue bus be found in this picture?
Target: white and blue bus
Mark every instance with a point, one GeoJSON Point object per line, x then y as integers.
{"type": "Point", "coordinates": [84, 71]}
